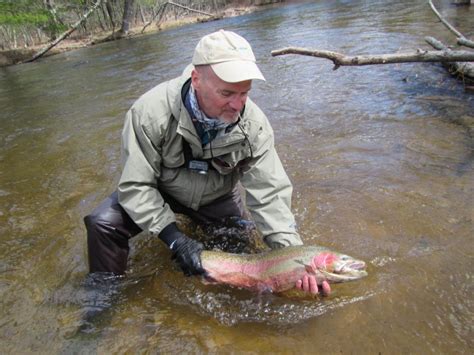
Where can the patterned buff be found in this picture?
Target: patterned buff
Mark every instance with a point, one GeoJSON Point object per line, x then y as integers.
{"type": "Point", "coordinates": [208, 124]}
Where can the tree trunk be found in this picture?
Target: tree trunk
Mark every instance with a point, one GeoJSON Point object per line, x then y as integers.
{"type": "Point", "coordinates": [15, 45]}
{"type": "Point", "coordinates": [110, 12]}
{"type": "Point", "coordinates": [102, 24]}
{"type": "Point", "coordinates": [127, 17]}
{"type": "Point", "coordinates": [214, 5]}
{"type": "Point", "coordinates": [55, 22]}
{"type": "Point", "coordinates": [4, 41]}
{"type": "Point", "coordinates": [105, 15]}
{"type": "Point", "coordinates": [142, 15]}
{"type": "Point", "coordinates": [38, 35]}
{"type": "Point", "coordinates": [158, 13]}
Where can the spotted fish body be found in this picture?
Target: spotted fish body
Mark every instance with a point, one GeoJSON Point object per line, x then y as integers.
{"type": "Point", "coordinates": [278, 270]}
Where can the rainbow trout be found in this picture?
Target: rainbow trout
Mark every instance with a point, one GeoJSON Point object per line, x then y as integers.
{"type": "Point", "coordinates": [279, 269]}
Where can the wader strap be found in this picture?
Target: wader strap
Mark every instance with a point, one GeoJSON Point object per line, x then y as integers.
{"type": "Point", "coordinates": [200, 165]}
{"type": "Point", "coordinates": [188, 153]}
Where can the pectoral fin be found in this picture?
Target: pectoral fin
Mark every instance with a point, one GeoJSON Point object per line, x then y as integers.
{"type": "Point", "coordinates": [309, 268]}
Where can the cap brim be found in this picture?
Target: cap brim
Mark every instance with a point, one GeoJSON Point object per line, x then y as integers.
{"type": "Point", "coordinates": [237, 71]}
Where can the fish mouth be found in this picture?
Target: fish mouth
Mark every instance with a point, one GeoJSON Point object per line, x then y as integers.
{"type": "Point", "coordinates": [350, 266]}
{"type": "Point", "coordinates": [346, 276]}
{"type": "Point", "coordinates": [358, 265]}
{"type": "Point", "coordinates": [349, 270]}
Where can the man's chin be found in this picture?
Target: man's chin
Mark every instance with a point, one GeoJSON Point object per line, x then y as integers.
{"type": "Point", "coordinates": [230, 118]}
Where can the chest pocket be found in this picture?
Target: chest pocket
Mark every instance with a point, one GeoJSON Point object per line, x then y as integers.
{"type": "Point", "coordinates": [229, 163]}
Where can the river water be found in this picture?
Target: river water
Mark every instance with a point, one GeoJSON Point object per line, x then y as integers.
{"type": "Point", "coordinates": [381, 158]}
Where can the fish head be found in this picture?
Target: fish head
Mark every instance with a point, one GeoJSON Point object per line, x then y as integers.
{"type": "Point", "coordinates": [337, 267]}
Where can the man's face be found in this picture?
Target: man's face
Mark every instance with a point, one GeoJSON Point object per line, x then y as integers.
{"type": "Point", "coordinates": [217, 98]}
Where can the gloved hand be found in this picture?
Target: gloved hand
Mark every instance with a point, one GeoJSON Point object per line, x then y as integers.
{"type": "Point", "coordinates": [186, 251]}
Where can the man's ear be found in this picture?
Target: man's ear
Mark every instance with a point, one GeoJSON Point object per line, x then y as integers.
{"type": "Point", "coordinates": [195, 78]}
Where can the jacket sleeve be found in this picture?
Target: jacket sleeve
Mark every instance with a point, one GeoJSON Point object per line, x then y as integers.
{"type": "Point", "coordinates": [268, 194]}
{"type": "Point", "coordinates": [137, 189]}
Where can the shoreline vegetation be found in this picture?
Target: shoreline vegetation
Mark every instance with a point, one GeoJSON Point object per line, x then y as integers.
{"type": "Point", "coordinates": [80, 39]}
{"type": "Point", "coordinates": [30, 29]}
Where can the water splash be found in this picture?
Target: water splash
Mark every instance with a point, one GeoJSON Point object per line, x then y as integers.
{"type": "Point", "coordinates": [230, 307]}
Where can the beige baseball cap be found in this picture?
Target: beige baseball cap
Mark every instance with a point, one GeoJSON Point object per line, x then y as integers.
{"type": "Point", "coordinates": [229, 55]}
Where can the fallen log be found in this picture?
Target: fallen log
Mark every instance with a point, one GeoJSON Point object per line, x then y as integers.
{"type": "Point", "coordinates": [409, 57]}
{"type": "Point", "coordinates": [65, 34]}
{"type": "Point", "coordinates": [460, 62]}
{"type": "Point", "coordinates": [465, 70]}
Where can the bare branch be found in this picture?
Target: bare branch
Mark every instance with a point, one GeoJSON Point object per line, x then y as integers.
{"type": "Point", "coordinates": [160, 11]}
{"type": "Point", "coordinates": [417, 56]}
{"type": "Point", "coordinates": [446, 23]}
{"type": "Point", "coordinates": [465, 42]}
{"type": "Point", "coordinates": [189, 9]}
{"type": "Point", "coordinates": [466, 70]}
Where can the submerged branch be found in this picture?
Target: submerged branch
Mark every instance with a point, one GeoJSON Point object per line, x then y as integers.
{"type": "Point", "coordinates": [462, 69]}
{"type": "Point", "coordinates": [465, 42]}
{"type": "Point", "coordinates": [417, 56]}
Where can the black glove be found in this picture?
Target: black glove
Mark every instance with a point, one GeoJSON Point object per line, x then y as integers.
{"type": "Point", "coordinates": [186, 251]}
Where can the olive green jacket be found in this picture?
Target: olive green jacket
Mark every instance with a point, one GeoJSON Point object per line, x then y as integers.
{"type": "Point", "coordinates": [152, 156]}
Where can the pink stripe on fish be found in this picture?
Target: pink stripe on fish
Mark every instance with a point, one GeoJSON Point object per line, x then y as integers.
{"type": "Point", "coordinates": [251, 268]}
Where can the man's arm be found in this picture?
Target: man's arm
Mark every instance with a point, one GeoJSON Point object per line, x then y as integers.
{"type": "Point", "coordinates": [268, 193]}
{"type": "Point", "coordinates": [139, 196]}
{"type": "Point", "coordinates": [137, 189]}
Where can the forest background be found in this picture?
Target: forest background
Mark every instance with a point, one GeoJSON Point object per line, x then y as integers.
{"type": "Point", "coordinates": [26, 25]}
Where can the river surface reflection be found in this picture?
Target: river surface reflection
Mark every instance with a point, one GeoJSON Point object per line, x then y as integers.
{"type": "Point", "coordinates": [381, 158]}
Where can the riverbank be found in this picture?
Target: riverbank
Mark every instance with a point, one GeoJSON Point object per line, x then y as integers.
{"type": "Point", "coordinates": [19, 55]}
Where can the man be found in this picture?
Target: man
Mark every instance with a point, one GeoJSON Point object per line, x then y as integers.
{"type": "Point", "coordinates": [185, 145]}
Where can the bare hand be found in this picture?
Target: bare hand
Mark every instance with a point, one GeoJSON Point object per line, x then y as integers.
{"type": "Point", "coordinates": [308, 284]}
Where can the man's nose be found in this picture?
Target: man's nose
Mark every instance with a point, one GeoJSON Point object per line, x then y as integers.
{"type": "Point", "coordinates": [237, 103]}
